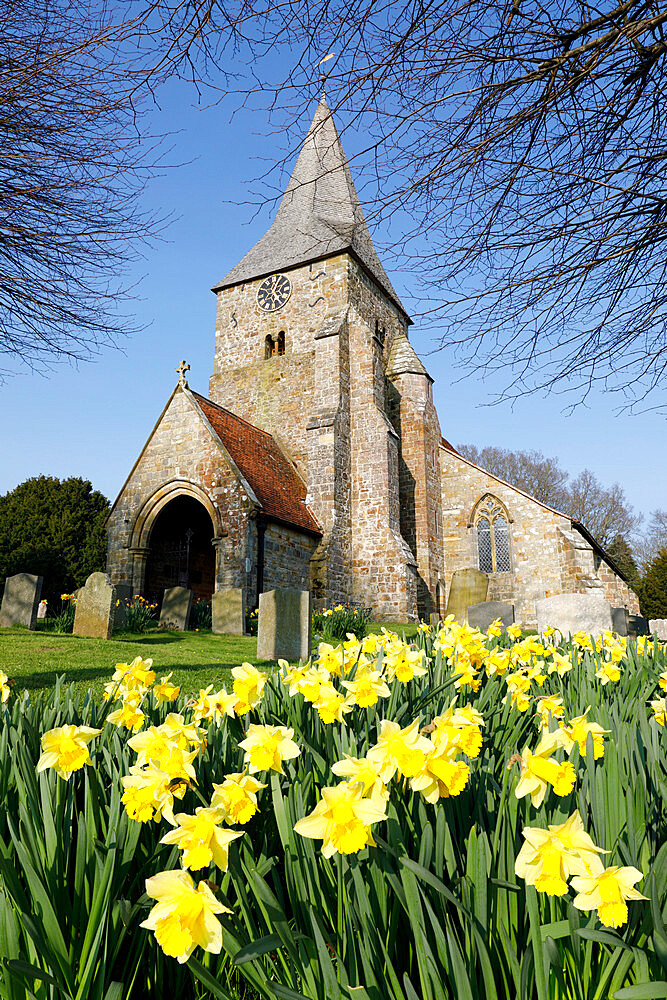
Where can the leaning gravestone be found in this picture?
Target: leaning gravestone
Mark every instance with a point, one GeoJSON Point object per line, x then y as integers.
{"type": "Point", "coordinates": [571, 613]}
{"type": "Point", "coordinates": [95, 608]}
{"type": "Point", "coordinates": [619, 620]}
{"type": "Point", "coordinates": [21, 600]}
{"type": "Point", "coordinates": [228, 611]}
{"type": "Point", "coordinates": [284, 626]}
{"type": "Point", "coordinates": [468, 587]}
{"type": "Point", "coordinates": [658, 626]}
{"type": "Point", "coordinates": [176, 607]}
{"type": "Point", "coordinates": [482, 615]}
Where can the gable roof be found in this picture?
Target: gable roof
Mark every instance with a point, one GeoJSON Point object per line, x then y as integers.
{"type": "Point", "coordinates": [319, 215]}
{"type": "Point", "coordinates": [279, 489]}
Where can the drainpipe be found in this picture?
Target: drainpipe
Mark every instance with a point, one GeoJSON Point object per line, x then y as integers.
{"type": "Point", "coordinates": [261, 528]}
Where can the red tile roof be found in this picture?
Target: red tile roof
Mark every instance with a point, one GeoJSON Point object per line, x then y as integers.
{"type": "Point", "coordinates": [450, 447]}
{"type": "Point", "coordinates": [273, 479]}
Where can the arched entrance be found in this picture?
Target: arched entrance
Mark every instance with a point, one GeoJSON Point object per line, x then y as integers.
{"type": "Point", "coordinates": [181, 552]}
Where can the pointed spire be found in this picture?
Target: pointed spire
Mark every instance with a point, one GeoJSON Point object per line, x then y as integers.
{"type": "Point", "coordinates": [319, 215]}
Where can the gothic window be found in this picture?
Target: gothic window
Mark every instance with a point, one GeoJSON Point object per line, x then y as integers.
{"type": "Point", "coordinates": [280, 343]}
{"type": "Point", "coordinates": [491, 524]}
{"type": "Point", "coordinates": [269, 347]}
{"type": "Point", "coordinates": [274, 345]}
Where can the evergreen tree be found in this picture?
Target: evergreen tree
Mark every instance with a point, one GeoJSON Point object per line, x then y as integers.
{"type": "Point", "coordinates": [653, 593]}
{"type": "Point", "coordinates": [621, 553]}
{"type": "Point", "coordinates": [54, 528]}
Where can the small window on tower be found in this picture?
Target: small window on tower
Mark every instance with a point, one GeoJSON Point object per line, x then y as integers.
{"type": "Point", "coordinates": [269, 347]}
{"type": "Point", "coordinates": [280, 345]}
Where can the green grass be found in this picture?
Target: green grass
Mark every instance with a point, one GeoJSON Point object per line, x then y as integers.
{"type": "Point", "coordinates": [35, 659]}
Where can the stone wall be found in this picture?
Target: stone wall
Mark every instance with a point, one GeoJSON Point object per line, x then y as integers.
{"type": "Point", "coordinates": [180, 458]}
{"type": "Point", "coordinates": [548, 556]}
{"type": "Point", "coordinates": [287, 554]}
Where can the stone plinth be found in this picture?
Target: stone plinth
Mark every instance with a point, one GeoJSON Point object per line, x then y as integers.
{"type": "Point", "coordinates": [21, 600]}
{"type": "Point", "coordinates": [619, 620]}
{"type": "Point", "coordinates": [284, 626]}
{"type": "Point", "coordinates": [176, 607]}
{"type": "Point", "coordinates": [482, 615]}
{"type": "Point", "coordinates": [95, 608]}
{"type": "Point", "coordinates": [468, 587]}
{"type": "Point", "coordinates": [658, 626]}
{"type": "Point", "coordinates": [228, 611]}
{"type": "Point", "coordinates": [571, 613]}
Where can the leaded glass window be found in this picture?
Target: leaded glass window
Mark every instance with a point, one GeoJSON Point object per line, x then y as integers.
{"type": "Point", "coordinates": [493, 540]}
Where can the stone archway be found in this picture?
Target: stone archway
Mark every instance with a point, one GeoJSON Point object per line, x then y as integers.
{"type": "Point", "coordinates": [180, 550]}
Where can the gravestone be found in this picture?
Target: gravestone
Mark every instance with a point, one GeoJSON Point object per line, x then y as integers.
{"type": "Point", "coordinates": [468, 586]}
{"type": "Point", "coordinates": [123, 595]}
{"type": "Point", "coordinates": [482, 615]}
{"type": "Point", "coordinates": [284, 625]}
{"type": "Point", "coordinates": [41, 609]}
{"type": "Point", "coordinates": [619, 620]}
{"type": "Point", "coordinates": [21, 600]}
{"type": "Point", "coordinates": [637, 625]}
{"type": "Point", "coordinates": [570, 613]}
{"type": "Point", "coordinates": [228, 611]}
{"type": "Point", "coordinates": [658, 626]}
{"type": "Point", "coordinates": [176, 607]}
{"type": "Point", "coordinates": [95, 608]}
{"type": "Point", "coordinates": [434, 619]}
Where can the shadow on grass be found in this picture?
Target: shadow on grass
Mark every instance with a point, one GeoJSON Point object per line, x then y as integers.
{"type": "Point", "coordinates": [150, 639]}
{"type": "Point", "coordinates": [47, 678]}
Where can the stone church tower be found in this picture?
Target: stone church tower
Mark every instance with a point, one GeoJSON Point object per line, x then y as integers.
{"type": "Point", "coordinates": [311, 347]}
{"type": "Point", "coordinates": [317, 459]}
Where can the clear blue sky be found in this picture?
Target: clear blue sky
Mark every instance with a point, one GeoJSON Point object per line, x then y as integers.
{"type": "Point", "coordinates": [92, 421]}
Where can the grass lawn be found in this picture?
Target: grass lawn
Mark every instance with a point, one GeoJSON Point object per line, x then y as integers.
{"type": "Point", "coordinates": [35, 659]}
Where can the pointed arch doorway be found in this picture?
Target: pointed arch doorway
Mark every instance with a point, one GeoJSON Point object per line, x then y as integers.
{"type": "Point", "coordinates": [180, 550]}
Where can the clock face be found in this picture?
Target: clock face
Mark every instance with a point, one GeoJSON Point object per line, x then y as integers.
{"type": "Point", "coordinates": [274, 292]}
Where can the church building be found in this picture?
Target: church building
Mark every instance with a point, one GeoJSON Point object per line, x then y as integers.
{"type": "Point", "coordinates": [317, 459]}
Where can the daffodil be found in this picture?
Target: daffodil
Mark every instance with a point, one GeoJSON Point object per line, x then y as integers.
{"type": "Point", "coordinates": [540, 769]}
{"type": "Point", "coordinates": [137, 675]}
{"type": "Point", "coordinates": [342, 819]}
{"type": "Point", "coordinates": [4, 688]}
{"type": "Point", "coordinates": [185, 735]}
{"type": "Point", "coordinates": [607, 891]}
{"type": "Point", "coordinates": [363, 772]}
{"type": "Point", "coordinates": [310, 682]}
{"type": "Point", "coordinates": [185, 916]}
{"type": "Point", "coordinates": [332, 706]}
{"type": "Point", "coordinates": [65, 749]}
{"type": "Point", "coordinates": [266, 747]}
{"type": "Point", "coordinates": [459, 727]}
{"type": "Point", "coordinates": [399, 749]}
{"type": "Point", "coordinates": [367, 687]}
{"type": "Point", "coordinates": [608, 672]}
{"type": "Point", "coordinates": [129, 715]}
{"type": "Point", "coordinates": [202, 839]}
{"type": "Point", "coordinates": [248, 687]}
{"type": "Point", "coordinates": [166, 691]}
{"type": "Point", "coordinates": [405, 664]}
{"type": "Point", "coordinates": [236, 797]}
{"type": "Point", "coordinates": [442, 775]}
{"type": "Point", "coordinates": [659, 707]}
{"type": "Point", "coordinates": [150, 792]}
{"type": "Point", "coordinates": [559, 663]}
{"type": "Point", "coordinates": [549, 707]}
{"type": "Point", "coordinates": [549, 857]}
{"type": "Point", "coordinates": [577, 731]}
{"type": "Point", "coordinates": [514, 631]}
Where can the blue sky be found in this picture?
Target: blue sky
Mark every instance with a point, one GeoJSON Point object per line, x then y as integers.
{"type": "Point", "coordinates": [92, 420]}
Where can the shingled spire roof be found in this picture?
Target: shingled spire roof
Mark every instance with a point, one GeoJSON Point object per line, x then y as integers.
{"type": "Point", "coordinates": [319, 215]}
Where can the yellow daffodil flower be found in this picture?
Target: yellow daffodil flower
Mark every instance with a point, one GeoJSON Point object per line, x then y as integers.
{"type": "Point", "coordinates": [659, 707]}
{"type": "Point", "coordinates": [549, 707]}
{"type": "Point", "coordinates": [4, 688]}
{"type": "Point", "coordinates": [540, 769]}
{"type": "Point", "coordinates": [662, 680]}
{"type": "Point", "coordinates": [608, 672]}
{"type": "Point", "coordinates": [165, 691]}
{"type": "Point", "coordinates": [332, 706]}
{"type": "Point", "coordinates": [310, 683]}
{"type": "Point", "coordinates": [342, 819]}
{"type": "Point", "coordinates": [442, 775]}
{"type": "Point", "coordinates": [129, 715]}
{"type": "Point", "coordinates": [65, 749]}
{"type": "Point", "coordinates": [149, 794]}
{"type": "Point", "coordinates": [367, 687]}
{"type": "Point", "coordinates": [185, 916]}
{"type": "Point", "coordinates": [248, 687]}
{"type": "Point", "coordinates": [576, 732]}
{"type": "Point", "coordinates": [362, 771]}
{"type": "Point", "coordinates": [266, 747]}
{"type": "Point", "coordinates": [399, 749]}
{"type": "Point", "coordinates": [559, 663]}
{"type": "Point", "coordinates": [186, 737]}
{"type": "Point", "coordinates": [405, 665]}
{"type": "Point", "coordinates": [549, 857]}
{"type": "Point", "coordinates": [236, 797]}
{"type": "Point", "coordinates": [607, 891]}
{"type": "Point", "coordinates": [514, 631]}
{"type": "Point", "coordinates": [202, 839]}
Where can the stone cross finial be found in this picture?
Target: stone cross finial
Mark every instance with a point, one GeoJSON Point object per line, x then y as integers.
{"type": "Point", "coordinates": [182, 369]}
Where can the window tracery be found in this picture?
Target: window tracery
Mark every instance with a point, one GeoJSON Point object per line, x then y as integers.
{"type": "Point", "coordinates": [491, 525]}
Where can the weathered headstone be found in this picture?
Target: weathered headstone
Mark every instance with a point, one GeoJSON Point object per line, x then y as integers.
{"type": "Point", "coordinates": [228, 611]}
{"type": "Point", "coordinates": [95, 608]}
{"type": "Point", "coordinates": [176, 607]}
{"type": "Point", "coordinates": [41, 609]}
{"type": "Point", "coordinates": [123, 597]}
{"type": "Point", "coordinates": [468, 586]}
{"type": "Point", "coordinates": [21, 600]}
{"type": "Point", "coordinates": [570, 613]}
{"type": "Point", "coordinates": [482, 615]}
{"type": "Point", "coordinates": [637, 625]}
{"type": "Point", "coordinates": [434, 619]}
{"type": "Point", "coordinates": [619, 620]}
{"type": "Point", "coordinates": [284, 625]}
{"type": "Point", "coordinates": [658, 626]}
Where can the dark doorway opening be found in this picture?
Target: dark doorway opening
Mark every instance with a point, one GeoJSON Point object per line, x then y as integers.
{"type": "Point", "coordinates": [181, 550]}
